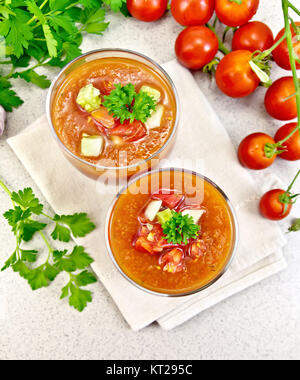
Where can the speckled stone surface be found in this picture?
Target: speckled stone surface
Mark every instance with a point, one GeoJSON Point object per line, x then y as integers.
{"type": "Point", "coordinates": [259, 323]}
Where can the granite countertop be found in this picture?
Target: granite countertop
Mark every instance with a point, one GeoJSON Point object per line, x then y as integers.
{"type": "Point", "coordinates": [259, 323]}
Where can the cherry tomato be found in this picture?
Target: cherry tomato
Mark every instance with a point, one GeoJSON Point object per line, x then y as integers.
{"type": "Point", "coordinates": [147, 10]}
{"type": "Point", "coordinates": [231, 13]}
{"type": "Point", "coordinates": [192, 12]}
{"type": "Point", "coordinates": [252, 151]}
{"type": "Point", "coordinates": [281, 53]}
{"type": "Point", "coordinates": [276, 102]}
{"type": "Point", "coordinates": [292, 145]}
{"type": "Point", "coordinates": [234, 75]}
{"type": "Point", "coordinates": [196, 46]}
{"type": "Point", "coordinates": [253, 36]}
{"type": "Point", "coordinates": [272, 208]}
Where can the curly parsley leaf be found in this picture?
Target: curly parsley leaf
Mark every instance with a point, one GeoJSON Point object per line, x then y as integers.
{"type": "Point", "coordinates": [125, 104]}
{"type": "Point", "coordinates": [180, 228]}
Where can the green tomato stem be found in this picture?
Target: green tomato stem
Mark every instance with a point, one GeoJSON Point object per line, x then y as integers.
{"type": "Point", "coordinates": [46, 242]}
{"type": "Point", "coordinates": [222, 47]}
{"type": "Point", "coordinates": [293, 182]}
{"type": "Point", "coordinates": [285, 6]}
{"type": "Point", "coordinates": [293, 8]}
{"type": "Point", "coordinates": [268, 52]}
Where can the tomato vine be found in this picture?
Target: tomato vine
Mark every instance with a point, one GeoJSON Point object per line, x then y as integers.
{"type": "Point", "coordinates": [272, 149]}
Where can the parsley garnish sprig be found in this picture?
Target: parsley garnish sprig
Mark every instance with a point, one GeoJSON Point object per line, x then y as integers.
{"type": "Point", "coordinates": [125, 104]}
{"type": "Point", "coordinates": [180, 229]}
{"type": "Point", "coordinates": [22, 219]}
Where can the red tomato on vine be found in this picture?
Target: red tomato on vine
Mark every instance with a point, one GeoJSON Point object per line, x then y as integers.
{"type": "Point", "coordinates": [192, 12]}
{"type": "Point", "coordinates": [253, 36]}
{"type": "Point", "coordinates": [252, 151]}
{"type": "Point", "coordinates": [234, 75]}
{"type": "Point", "coordinates": [196, 46]}
{"type": "Point", "coordinates": [281, 53]}
{"type": "Point", "coordinates": [292, 146]}
{"type": "Point", "coordinates": [272, 207]}
{"type": "Point", "coordinates": [236, 12]}
{"type": "Point", "coordinates": [147, 10]}
{"type": "Point", "coordinates": [279, 100]}
{"type": "Point", "coordinates": [277, 204]}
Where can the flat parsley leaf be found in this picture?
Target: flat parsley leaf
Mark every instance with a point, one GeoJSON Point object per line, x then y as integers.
{"type": "Point", "coordinates": [78, 259]}
{"type": "Point", "coordinates": [32, 76]}
{"type": "Point", "coordinates": [26, 199]}
{"type": "Point", "coordinates": [26, 204]}
{"type": "Point", "coordinates": [79, 298]}
{"type": "Point", "coordinates": [8, 98]}
{"type": "Point", "coordinates": [16, 31]}
{"type": "Point", "coordinates": [116, 5]}
{"type": "Point", "coordinates": [295, 226]}
{"type": "Point", "coordinates": [79, 224]}
{"type": "Point", "coordinates": [85, 278]}
{"type": "Point", "coordinates": [125, 104]}
{"type": "Point", "coordinates": [30, 255]}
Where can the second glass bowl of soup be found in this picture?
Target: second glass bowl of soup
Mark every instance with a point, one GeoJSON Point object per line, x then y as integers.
{"type": "Point", "coordinates": [139, 222]}
{"type": "Point", "coordinates": [119, 149]}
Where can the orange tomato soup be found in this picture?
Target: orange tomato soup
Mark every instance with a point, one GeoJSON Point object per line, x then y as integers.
{"type": "Point", "coordinates": [214, 245]}
{"type": "Point", "coordinates": [71, 122]}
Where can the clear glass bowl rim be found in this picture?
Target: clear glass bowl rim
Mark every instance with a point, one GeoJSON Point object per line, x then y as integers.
{"type": "Point", "coordinates": [235, 230]}
{"type": "Point", "coordinates": [126, 51]}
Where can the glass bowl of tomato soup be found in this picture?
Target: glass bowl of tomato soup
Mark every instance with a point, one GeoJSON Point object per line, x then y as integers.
{"type": "Point", "coordinates": [94, 126]}
{"type": "Point", "coordinates": [172, 232]}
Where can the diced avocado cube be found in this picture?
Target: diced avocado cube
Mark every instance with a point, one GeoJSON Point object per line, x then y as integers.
{"type": "Point", "coordinates": [92, 146]}
{"type": "Point", "coordinates": [89, 98]}
{"type": "Point", "coordinates": [155, 119]}
{"type": "Point", "coordinates": [155, 94]}
{"type": "Point", "coordinates": [164, 216]}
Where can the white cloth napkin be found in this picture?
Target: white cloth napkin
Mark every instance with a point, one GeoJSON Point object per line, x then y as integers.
{"type": "Point", "coordinates": [203, 145]}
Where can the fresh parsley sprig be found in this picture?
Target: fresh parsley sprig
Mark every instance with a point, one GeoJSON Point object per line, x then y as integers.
{"type": "Point", "coordinates": [180, 229]}
{"type": "Point", "coordinates": [125, 103]}
{"type": "Point", "coordinates": [22, 219]}
{"type": "Point", "coordinates": [39, 33]}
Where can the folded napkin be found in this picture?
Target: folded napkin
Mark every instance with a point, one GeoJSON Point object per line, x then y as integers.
{"type": "Point", "coordinates": [203, 145]}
